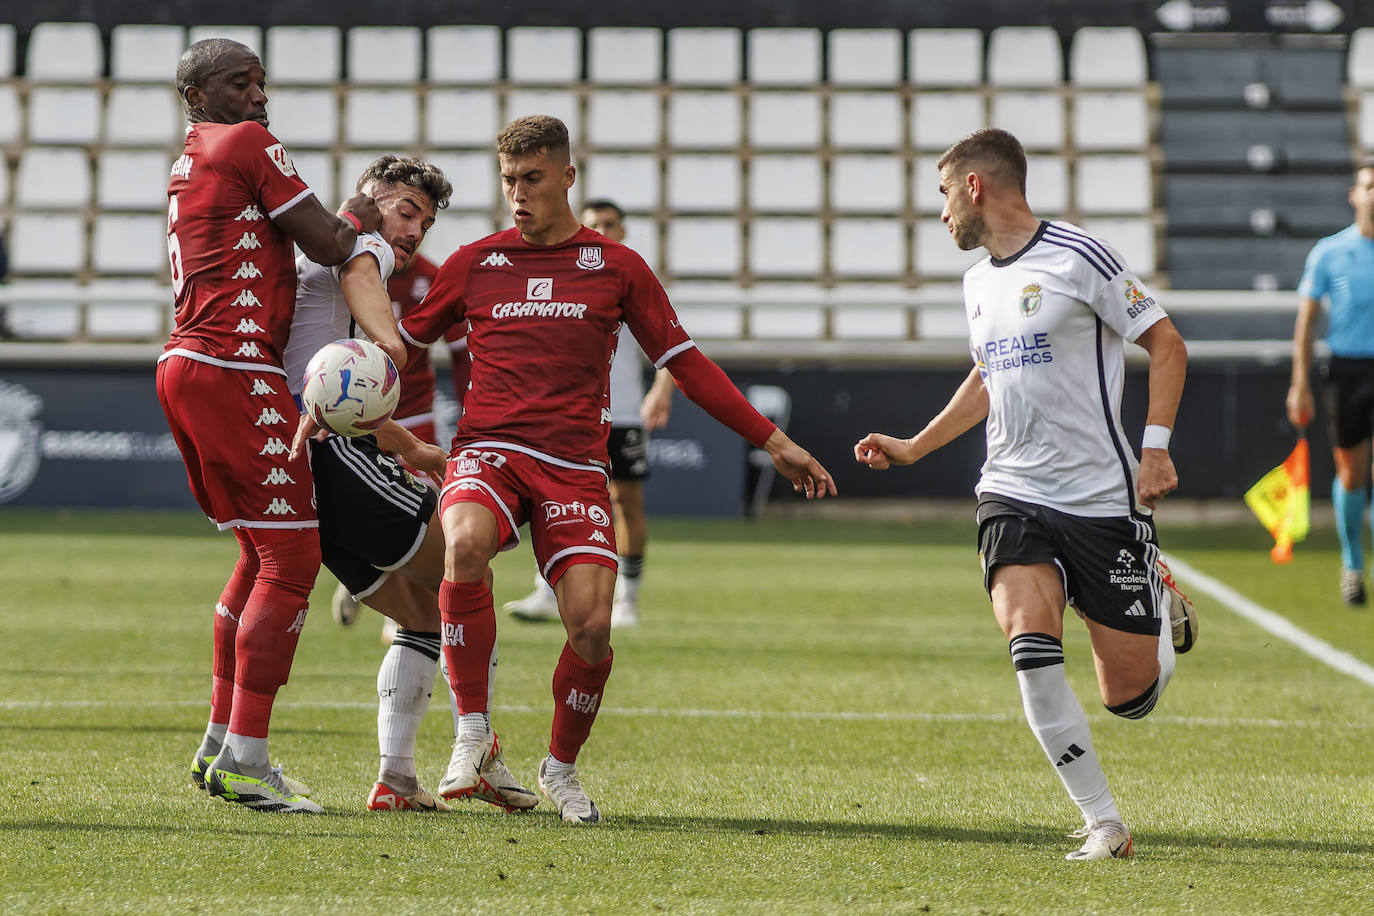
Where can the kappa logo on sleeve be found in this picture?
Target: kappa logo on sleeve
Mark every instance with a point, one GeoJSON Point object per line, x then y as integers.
{"type": "Point", "coordinates": [281, 159]}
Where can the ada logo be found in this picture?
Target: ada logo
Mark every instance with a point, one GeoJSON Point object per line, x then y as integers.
{"type": "Point", "coordinates": [539, 288]}
{"type": "Point", "coordinates": [20, 439]}
{"type": "Point", "coordinates": [467, 466]}
{"type": "Point", "coordinates": [589, 258]}
{"type": "Point", "coordinates": [1030, 300]}
{"type": "Point", "coordinates": [281, 159]}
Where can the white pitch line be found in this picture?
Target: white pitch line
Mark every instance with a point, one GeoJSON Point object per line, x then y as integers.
{"type": "Point", "coordinates": [1271, 622]}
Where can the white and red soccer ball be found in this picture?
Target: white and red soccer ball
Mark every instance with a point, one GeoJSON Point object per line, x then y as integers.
{"type": "Point", "coordinates": [351, 387]}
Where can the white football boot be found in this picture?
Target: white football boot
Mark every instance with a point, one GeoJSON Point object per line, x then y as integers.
{"type": "Point", "coordinates": [1106, 840]}
{"type": "Point", "coordinates": [567, 795]}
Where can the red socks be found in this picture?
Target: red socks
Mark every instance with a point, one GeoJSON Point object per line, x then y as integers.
{"type": "Point", "coordinates": [469, 637]}
{"type": "Point", "coordinates": [577, 690]}
{"type": "Point", "coordinates": [227, 613]}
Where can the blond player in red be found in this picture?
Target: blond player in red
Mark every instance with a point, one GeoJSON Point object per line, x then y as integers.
{"type": "Point", "coordinates": [544, 302]}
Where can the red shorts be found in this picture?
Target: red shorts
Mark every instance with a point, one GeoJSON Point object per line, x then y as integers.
{"type": "Point", "coordinates": [567, 505]}
{"type": "Point", "coordinates": [234, 429]}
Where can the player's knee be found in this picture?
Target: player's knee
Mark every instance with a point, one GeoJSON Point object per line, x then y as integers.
{"type": "Point", "coordinates": [589, 628]}
{"type": "Point", "coordinates": [1137, 707]}
{"type": "Point", "coordinates": [464, 561]}
{"type": "Point", "coordinates": [289, 560]}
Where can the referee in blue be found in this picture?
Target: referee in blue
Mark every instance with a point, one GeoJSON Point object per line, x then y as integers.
{"type": "Point", "coordinates": [1340, 270]}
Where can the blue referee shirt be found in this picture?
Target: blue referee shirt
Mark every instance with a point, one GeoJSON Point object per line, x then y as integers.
{"type": "Point", "coordinates": [1340, 269]}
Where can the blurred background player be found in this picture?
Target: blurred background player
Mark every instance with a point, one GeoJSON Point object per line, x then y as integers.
{"type": "Point", "coordinates": [235, 205]}
{"type": "Point", "coordinates": [633, 414]}
{"type": "Point", "coordinates": [1340, 270]}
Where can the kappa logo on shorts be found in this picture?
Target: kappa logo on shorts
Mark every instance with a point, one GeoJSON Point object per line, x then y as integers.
{"type": "Point", "coordinates": [599, 538]}
{"type": "Point", "coordinates": [277, 477]}
{"type": "Point", "coordinates": [556, 513]}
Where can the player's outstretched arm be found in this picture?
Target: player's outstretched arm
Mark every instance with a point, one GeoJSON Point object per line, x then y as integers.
{"type": "Point", "coordinates": [795, 463]}
{"type": "Point", "coordinates": [414, 451]}
{"type": "Point", "coordinates": [367, 298]}
{"type": "Point", "coordinates": [1168, 366]}
{"type": "Point", "coordinates": [323, 237]}
{"type": "Point", "coordinates": [966, 409]}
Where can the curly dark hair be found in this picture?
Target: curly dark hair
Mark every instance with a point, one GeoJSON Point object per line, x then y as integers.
{"type": "Point", "coordinates": [394, 169]}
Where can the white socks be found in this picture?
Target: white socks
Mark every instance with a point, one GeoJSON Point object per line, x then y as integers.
{"type": "Point", "coordinates": [251, 753]}
{"type": "Point", "coordinates": [404, 682]}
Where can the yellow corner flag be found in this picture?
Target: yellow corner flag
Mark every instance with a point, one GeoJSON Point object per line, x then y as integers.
{"type": "Point", "coordinates": [1281, 501]}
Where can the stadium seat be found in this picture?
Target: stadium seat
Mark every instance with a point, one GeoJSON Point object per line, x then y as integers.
{"type": "Point", "coordinates": [945, 58]}
{"type": "Point", "coordinates": [144, 116]}
{"type": "Point", "coordinates": [474, 177]}
{"type": "Point", "coordinates": [545, 56]}
{"type": "Point", "coordinates": [305, 118]}
{"type": "Point", "coordinates": [703, 182]}
{"type": "Point", "coordinates": [786, 183]}
{"type": "Point", "coordinates": [4, 184]}
{"type": "Point", "coordinates": [1239, 263]}
{"type": "Point", "coordinates": [462, 117]}
{"type": "Point", "coordinates": [65, 52]}
{"type": "Point", "coordinates": [132, 180]}
{"type": "Point", "coordinates": [127, 244]}
{"type": "Point", "coordinates": [704, 57]}
{"type": "Point", "coordinates": [1360, 59]}
{"type": "Point", "coordinates": [11, 114]}
{"type": "Point", "coordinates": [786, 247]}
{"type": "Point", "coordinates": [559, 103]}
{"type": "Point", "coordinates": [940, 118]}
{"type": "Point", "coordinates": [44, 320]}
{"type": "Point", "coordinates": [936, 256]}
{"type": "Point", "coordinates": [52, 178]}
{"type": "Point", "coordinates": [783, 57]}
{"type": "Point", "coordinates": [47, 243]}
{"type": "Point", "coordinates": [785, 120]}
{"type": "Point", "coordinates": [631, 180]}
{"type": "Point", "coordinates": [641, 234]}
{"type": "Point", "coordinates": [452, 230]}
{"type": "Point", "coordinates": [110, 316]}
{"type": "Point", "coordinates": [866, 120]}
{"type": "Point", "coordinates": [381, 117]}
{"type": "Point", "coordinates": [64, 115]}
{"type": "Point", "coordinates": [1191, 76]}
{"type": "Point", "coordinates": [7, 53]}
{"type": "Point", "coordinates": [1110, 121]}
{"type": "Point", "coordinates": [707, 318]}
{"type": "Point", "coordinates": [317, 170]}
{"type": "Point", "coordinates": [1240, 141]}
{"type": "Point", "coordinates": [1308, 77]}
{"type": "Point", "coordinates": [624, 56]}
{"type": "Point", "coordinates": [249, 35]}
{"type": "Point", "coordinates": [1133, 237]}
{"type": "Point", "coordinates": [624, 119]}
{"type": "Point", "coordinates": [1107, 57]}
{"type": "Point", "coordinates": [925, 185]}
{"type": "Point", "coordinates": [1025, 56]}
{"type": "Point", "coordinates": [383, 55]}
{"type": "Point", "coordinates": [703, 120]}
{"type": "Point", "coordinates": [1312, 205]}
{"type": "Point", "coordinates": [1365, 122]}
{"type": "Point", "coordinates": [303, 55]}
{"type": "Point", "coordinates": [1047, 185]}
{"type": "Point", "coordinates": [864, 57]}
{"type": "Point", "coordinates": [351, 165]}
{"type": "Point", "coordinates": [145, 53]}
{"type": "Point", "coordinates": [703, 247]}
{"type": "Point", "coordinates": [463, 54]}
{"type": "Point", "coordinates": [1113, 184]}
{"type": "Point", "coordinates": [868, 248]}
{"type": "Point", "coordinates": [780, 312]}
{"type": "Point", "coordinates": [867, 184]}
{"type": "Point", "coordinates": [869, 317]}
{"type": "Point", "coordinates": [1035, 118]}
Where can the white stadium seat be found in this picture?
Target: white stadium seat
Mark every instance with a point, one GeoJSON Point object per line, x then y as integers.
{"type": "Point", "coordinates": [463, 54]}
{"type": "Point", "coordinates": [704, 57]}
{"type": "Point", "coordinates": [146, 53]}
{"type": "Point", "coordinates": [1365, 122]}
{"type": "Point", "coordinates": [1034, 118]}
{"type": "Point", "coordinates": [864, 57]}
{"type": "Point", "coordinates": [11, 114]}
{"type": "Point", "coordinates": [384, 55]}
{"type": "Point", "coordinates": [546, 56]}
{"type": "Point", "coordinates": [936, 255]}
{"type": "Point", "coordinates": [866, 120]}
{"type": "Point", "coordinates": [624, 56]}
{"type": "Point", "coordinates": [632, 180]}
{"type": "Point", "coordinates": [703, 120]}
{"type": "Point", "coordinates": [624, 119]}
{"type": "Point", "coordinates": [64, 115]}
{"type": "Point", "coordinates": [1107, 56]}
{"type": "Point", "coordinates": [1113, 184]}
{"type": "Point", "coordinates": [48, 243]}
{"type": "Point", "coordinates": [305, 118]}
{"type": "Point", "coordinates": [868, 248]}
{"type": "Point", "coordinates": [110, 316]}
{"type": "Point", "coordinates": [945, 57]}
{"type": "Point", "coordinates": [867, 184]}
{"type": "Point", "coordinates": [7, 55]}
{"type": "Point", "coordinates": [452, 230]}
{"type": "Point", "coordinates": [249, 35]}
{"type": "Point", "coordinates": [43, 320]}
{"type": "Point", "coordinates": [940, 118]}
{"type": "Point", "coordinates": [1359, 61]}
{"type": "Point", "coordinates": [641, 234]}
{"type": "Point", "coordinates": [782, 319]}
{"type": "Point", "coordinates": [1047, 185]}
{"type": "Point", "coordinates": [787, 183]}
{"type": "Point", "coordinates": [703, 182]}
{"type": "Point", "coordinates": [703, 247]}
{"type": "Point", "coordinates": [784, 57]}
{"type": "Point", "coordinates": [1134, 237]}
{"type": "Point", "coordinates": [53, 178]}
{"type": "Point", "coordinates": [123, 244]}
{"type": "Point", "coordinates": [132, 180]}
{"type": "Point", "coordinates": [351, 165]}
{"type": "Point", "coordinates": [317, 170]}
{"type": "Point", "coordinates": [1025, 56]}
{"type": "Point", "coordinates": [785, 247]}
{"type": "Point", "coordinates": [145, 116]}
{"type": "Point", "coordinates": [303, 55]}
{"type": "Point", "coordinates": [1110, 121]}
{"type": "Point", "coordinates": [4, 184]}
{"type": "Point", "coordinates": [474, 177]}
{"type": "Point", "coordinates": [65, 52]}
{"type": "Point", "coordinates": [560, 103]}
{"type": "Point", "coordinates": [925, 185]}
{"type": "Point", "coordinates": [785, 120]}
{"type": "Point", "coordinates": [462, 117]}
{"type": "Point", "coordinates": [381, 117]}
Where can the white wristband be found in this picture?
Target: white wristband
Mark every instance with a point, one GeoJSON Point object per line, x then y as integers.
{"type": "Point", "coordinates": [1156, 437]}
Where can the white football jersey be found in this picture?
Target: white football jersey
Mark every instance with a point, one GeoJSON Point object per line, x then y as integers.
{"type": "Point", "coordinates": [322, 314]}
{"type": "Point", "coordinates": [1046, 327]}
{"type": "Point", "coordinates": [627, 381]}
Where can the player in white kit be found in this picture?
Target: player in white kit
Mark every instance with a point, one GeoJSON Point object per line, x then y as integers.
{"type": "Point", "coordinates": [1064, 506]}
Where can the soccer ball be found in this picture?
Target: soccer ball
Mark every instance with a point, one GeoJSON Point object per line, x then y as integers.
{"type": "Point", "coordinates": [351, 387]}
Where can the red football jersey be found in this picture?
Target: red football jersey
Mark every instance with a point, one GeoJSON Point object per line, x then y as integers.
{"type": "Point", "coordinates": [233, 270]}
{"type": "Point", "coordinates": [543, 322]}
{"type": "Point", "coordinates": [417, 378]}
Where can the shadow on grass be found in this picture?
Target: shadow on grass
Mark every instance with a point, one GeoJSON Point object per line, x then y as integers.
{"type": "Point", "coordinates": [191, 733]}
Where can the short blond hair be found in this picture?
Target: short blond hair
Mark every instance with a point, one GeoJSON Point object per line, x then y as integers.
{"type": "Point", "coordinates": [534, 133]}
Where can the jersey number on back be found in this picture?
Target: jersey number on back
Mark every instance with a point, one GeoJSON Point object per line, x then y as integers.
{"type": "Point", "coordinates": [174, 249]}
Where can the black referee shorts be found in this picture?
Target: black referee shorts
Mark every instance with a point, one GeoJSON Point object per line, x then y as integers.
{"type": "Point", "coordinates": [1348, 394]}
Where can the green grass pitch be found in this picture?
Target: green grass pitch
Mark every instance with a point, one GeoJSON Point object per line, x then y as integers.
{"type": "Point", "coordinates": [813, 717]}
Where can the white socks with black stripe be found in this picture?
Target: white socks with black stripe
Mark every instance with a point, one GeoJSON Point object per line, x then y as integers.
{"type": "Point", "coordinates": [404, 682]}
